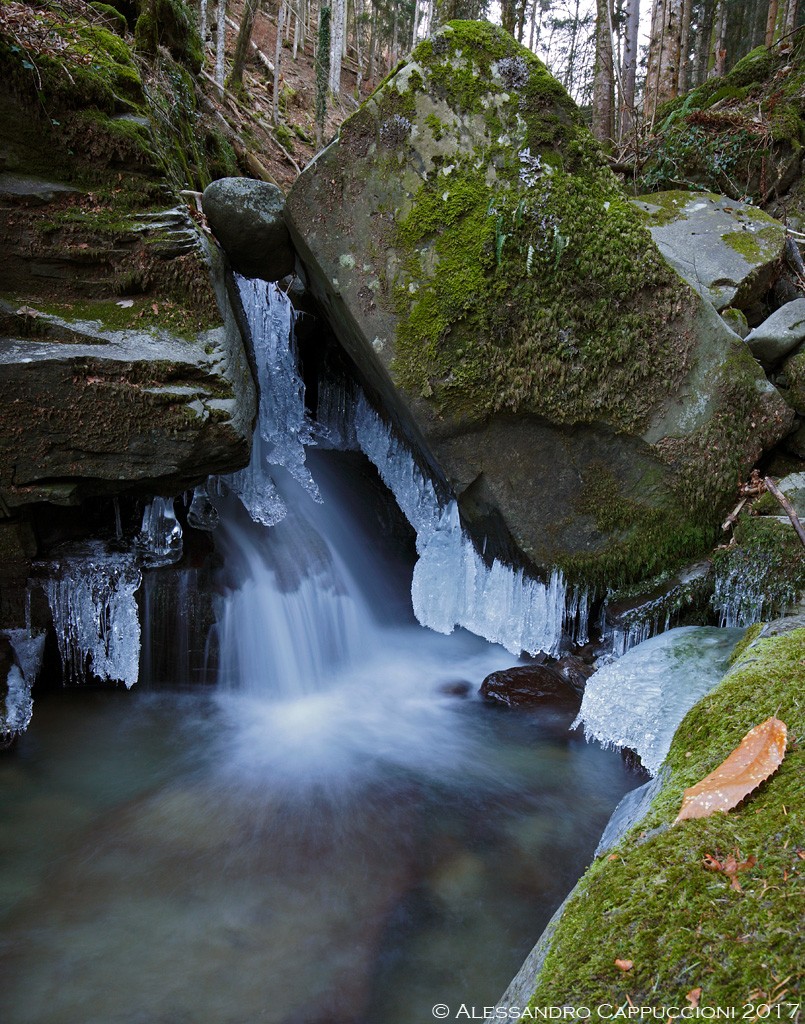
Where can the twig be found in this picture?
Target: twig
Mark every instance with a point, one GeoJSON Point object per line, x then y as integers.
{"type": "Point", "coordinates": [787, 506]}
{"type": "Point", "coordinates": [732, 518]}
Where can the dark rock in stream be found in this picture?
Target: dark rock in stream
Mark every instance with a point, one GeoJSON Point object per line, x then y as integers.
{"type": "Point", "coordinates": [530, 686]}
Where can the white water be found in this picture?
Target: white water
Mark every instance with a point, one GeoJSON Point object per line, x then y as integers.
{"type": "Point", "coordinates": [638, 701]}
{"type": "Point", "coordinates": [95, 616]}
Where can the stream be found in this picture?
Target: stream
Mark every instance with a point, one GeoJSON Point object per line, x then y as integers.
{"type": "Point", "coordinates": [337, 830]}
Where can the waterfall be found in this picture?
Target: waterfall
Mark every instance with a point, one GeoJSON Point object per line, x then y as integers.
{"type": "Point", "coordinates": [95, 616]}
{"type": "Point", "coordinates": [452, 584]}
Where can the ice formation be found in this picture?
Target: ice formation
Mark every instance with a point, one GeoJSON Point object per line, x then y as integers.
{"type": "Point", "coordinates": [452, 584]}
{"type": "Point", "coordinates": [638, 701]}
{"type": "Point", "coordinates": [282, 428]}
{"type": "Point", "coordinates": [95, 615]}
{"type": "Point", "coordinates": [202, 514]}
{"type": "Point", "coordinates": [160, 539]}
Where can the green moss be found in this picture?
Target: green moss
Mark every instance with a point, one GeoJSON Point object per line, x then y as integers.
{"type": "Point", "coordinates": [754, 246]}
{"type": "Point", "coordinates": [655, 903]}
{"type": "Point", "coordinates": [794, 370]}
{"type": "Point", "coordinates": [738, 148]}
{"type": "Point", "coordinates": [642, 541]}
{"type": "Point", "coordinates": [169, 23]}
{"type": "Point", "coordinates": [114, 20]}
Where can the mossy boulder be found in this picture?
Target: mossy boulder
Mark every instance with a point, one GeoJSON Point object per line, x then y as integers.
{"type": "Point", "coordinates": [652, 901]}
{"type": "Point", "coordinates": [730, 252]}
{"type": "Point", "coordinates": [503, 299]}
{"type": "Point", "coordinates": [794, 377]}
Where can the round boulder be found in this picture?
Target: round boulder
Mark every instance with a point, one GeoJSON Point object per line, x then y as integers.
{"type": "Point", "coordinates": [247, 217]}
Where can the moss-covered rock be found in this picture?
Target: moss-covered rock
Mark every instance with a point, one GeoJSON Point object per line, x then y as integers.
{"type": "Point", "coordinates": [740, 135]}
{"type": "Point", "coordinates": [652, 901]}
{"type": "Point", "coordinates": [488, 275]}
{"type": "Point", "coordinates": [110, 298]}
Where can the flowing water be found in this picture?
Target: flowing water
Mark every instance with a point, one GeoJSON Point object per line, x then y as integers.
{"type": "Point", "coordinates": [338, 831]}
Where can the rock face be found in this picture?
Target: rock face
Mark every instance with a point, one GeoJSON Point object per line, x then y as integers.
{"type": "Point", "coordinates": [503, 300]}
{"type": "Point", "coordinates": [728, 251]}
{"type": "Point", "coordinates": [247, 219]}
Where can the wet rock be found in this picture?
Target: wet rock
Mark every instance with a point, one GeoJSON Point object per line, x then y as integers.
{"type": "Point", "coordinates": [247, 218]}
{"type": "Point", "coordinates": [574, 670]}
{"type": "Point", "coordinates": [729, 251]}
{"type": "Point", "coordinates": [530, 686]}
{"type": "Point", "coordinates": [456, 688]}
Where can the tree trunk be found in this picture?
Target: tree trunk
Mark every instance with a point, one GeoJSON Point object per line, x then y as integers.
{"type": "Point", "coordinates": [336, 46]}
{"type": "Point", "coordinates": [278, 59]}
{"type": "Point", "coordinates": [603, 123]}
{"type": "Point", "coordinates": [322, 72]}
{"type": "Point", "coordinates": [771, 22]}
{"type": "Point", "coordinates": [662, 78]}
{"type": "Point", "coordinates": [629, 70]}
{"type": "Point", "coordinates": [791, 11]}
{"type": "Point", "coordinates": [683, 72]}
{"type": "Point", "coordinates": [507, 15]}
{"type": "Point", "coordinates": [220, 47]}
{"type": "Point", "coordinates": [242, 44]}
{"type": "Point", "coordinates": [719, 56]}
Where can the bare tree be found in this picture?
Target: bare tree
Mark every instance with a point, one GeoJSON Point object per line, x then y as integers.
{"type": "Point", "coordinates": [278, 60]}
{"type": "Point", "coordinates": [629, 70]}
{"type": "Point", "coordinates": [336, 45]}
{"type": "Point", "coordinates": [603, 122]}
{"type": "Point", "coordinates": [242, 43]}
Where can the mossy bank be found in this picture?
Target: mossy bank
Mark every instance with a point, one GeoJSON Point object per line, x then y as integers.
{"type": "Point", "coordinates": [651, 901]}
{"type": "Point", "coordinates": [487, 274]}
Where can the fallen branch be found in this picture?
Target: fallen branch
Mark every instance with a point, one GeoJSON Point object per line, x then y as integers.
{"type": "Point", "coordinates": [787, 506]}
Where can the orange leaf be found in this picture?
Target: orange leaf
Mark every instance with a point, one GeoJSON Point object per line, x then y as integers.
{"type": "Point", "coordinates": [756, 757]}
{"type": "Point", "coordinates": [694, 996]}
{"type": "Point", "coordinates": [624, 965]}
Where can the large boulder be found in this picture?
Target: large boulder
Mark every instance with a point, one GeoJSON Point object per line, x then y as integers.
{"type": "Point", "coordinates": [246, 217]}
{"type": "Point", "coordinates": [730, 252]}
{"type": "Point", "coordinates": [503, 300]}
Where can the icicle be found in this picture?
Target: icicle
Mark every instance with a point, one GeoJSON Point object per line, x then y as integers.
{"type": "Point", "coordinates": [16, 703]}
{"type": "Point", "coordinates": [160, 539]}
{"type": "Point", "coordinates": [202, 514]}
{"type": "Point", "coordinates": [118, 522]}
{"type": "Point", "coordinates": [283, 429]}
{"type": "Point", "coordinates": [452, 585]}
{"type": "Point", "coordinates": [95, 616]}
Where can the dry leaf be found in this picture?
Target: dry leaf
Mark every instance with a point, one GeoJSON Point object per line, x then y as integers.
{"type": "Point", "coordinates": [624, 965]}
{"type": "Point", "coordinates": [694, 996]}
{"type": "Point", "coordinates": [756, 757]}
{"type": "Point", "coordinates": [730, 867]}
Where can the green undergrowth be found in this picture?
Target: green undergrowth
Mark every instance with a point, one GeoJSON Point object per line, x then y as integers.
{"type": "Point", "coordinates": [528, 283]}
{"type": "Point", "coordinates": [652, 901]}
{"type": "Point", "coordinates": [99, 103]}
{"type": "Point", "coordinates": [732, 134]}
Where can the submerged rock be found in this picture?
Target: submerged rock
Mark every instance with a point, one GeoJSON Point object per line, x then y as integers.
{"type": "Point", "coordinates": [729, 251]}
{"type": "Point", "coordinates": [247, 218]}
{"type": "Point", "coordinates": [529, 686]}
{"type": "Point", "coordinates": [498, 291]}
